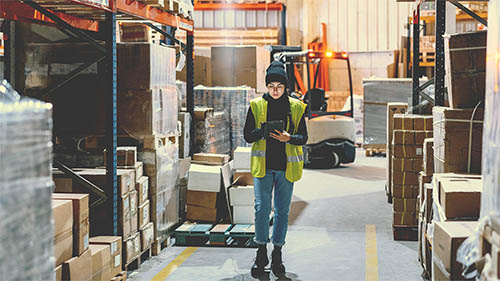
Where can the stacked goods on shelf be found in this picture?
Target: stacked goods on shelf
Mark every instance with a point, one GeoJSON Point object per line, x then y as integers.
{"type": "Point", "coordinates": [392, 109]}
{"type": "Point", "coordinates": [241, 193]}
{"type": "Point", "coordinates": [184, 165]}
{"type": "Point", "coordinates": [234, 101]}
{"type": "Point", "coordinates": [25, 186]}
{"type": "Point", "coordinates": [139, 32]}
{"type": "Point", "coordinates": [212, 131]}
{"type": "Point", "coordinates": [115, 251]}
{"type": "Point", "coordinates": [409, 132]}
{"type": "Point", "coordinates": [240, 66]}
{"type": "Point", "coordinates": [465, 57]}
{"type": "Point", "coordinates": [484, 242]}
{"type": "Point", "coordinates": [209, 177]}
{"type": "Point", "coordinates": [148, 111]}
{"type": "Point", "coordinates": [377, 94]}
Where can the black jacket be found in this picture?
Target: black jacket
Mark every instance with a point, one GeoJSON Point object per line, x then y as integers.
{"type": "Point", "coordinates": [275, 150]}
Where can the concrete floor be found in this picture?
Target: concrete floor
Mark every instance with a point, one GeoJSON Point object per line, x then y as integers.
{"type": "Point", "coordinates": [327, 236]}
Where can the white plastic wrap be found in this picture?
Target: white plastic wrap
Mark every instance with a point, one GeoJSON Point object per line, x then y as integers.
{"type": "Point", "coordinates": [234, 101]}
{"type": "Point", "coordinates": [212, 135]}
{"type": "Point", "coordinates": [469, 252]}
{"type": "Point", "coordinates": [26, 229]}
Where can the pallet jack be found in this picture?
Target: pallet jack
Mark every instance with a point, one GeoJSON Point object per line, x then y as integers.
{"type": "Point", "coordinates": [332, 135]}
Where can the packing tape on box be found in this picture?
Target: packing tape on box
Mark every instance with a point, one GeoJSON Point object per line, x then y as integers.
{"type": "Point", "coordinates": [402, 164]}
{"type": "Point", "coordinates": [404, 178]}
{"type": "Point", "coordinates": [425, 125]}
{"type": "Point", "coordinates": [404, 187]}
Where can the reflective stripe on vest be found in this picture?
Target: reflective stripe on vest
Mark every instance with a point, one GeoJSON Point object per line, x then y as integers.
{"type": "Point", "coordinates": [258, 153]}
{"type": "Point", "coordinates": [295, 158]}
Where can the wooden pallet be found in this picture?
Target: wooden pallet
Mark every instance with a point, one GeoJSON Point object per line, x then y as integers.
{"type": "Point", "coordinates": [405, 233]}
{"type": "Point", "coordinates": [219, 235]}
{"type": "Point", "coordinates": [122, 276]}
{"type": "Point", "coordinates": [374, 149]}
{"type": "Point", "coordinates": [159, 245]}
{"type": "Point", "coordinates": [428, 56]}
{"type": "Point", "coordinates": [140, 259]}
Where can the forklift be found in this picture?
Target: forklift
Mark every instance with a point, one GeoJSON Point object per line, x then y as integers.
{"type": "Point", "coordinates": [331, 135]}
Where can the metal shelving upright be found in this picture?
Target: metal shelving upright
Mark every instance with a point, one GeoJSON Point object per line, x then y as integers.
{"type": "Point", "coordinates": [75, 18]}
{"type": "Point", "coordinates": [439, 67]}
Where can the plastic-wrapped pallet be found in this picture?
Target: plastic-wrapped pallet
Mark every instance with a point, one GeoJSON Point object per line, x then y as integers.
{"type": "Point", "coordinates": [26, 229]}
{"type": "Point", "coordinates": [234, 101]}
{"type": "Point", "coordinates": [479, 246]}
{"type": "Point", "coordinates": [212, 135]}
{"type": "Point", "coordinates": [181, 87]}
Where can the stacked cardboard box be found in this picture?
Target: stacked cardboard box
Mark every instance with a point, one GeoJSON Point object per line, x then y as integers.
{"type": "Point", "coordinates": [407, 161]}
{"type": "Point", "coordinates": [114, 244]}
{"type": "Point", "coordinates": [209, 177]}
{"type": "Point", "coordinates": [241, 194]}
{"type": "Point", "coordinates": [392, 108]}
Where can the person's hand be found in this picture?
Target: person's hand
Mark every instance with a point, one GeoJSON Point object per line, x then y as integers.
{"type": "Point", "coordinates": [280, 136]}
{"type": "Point", "coordinates": [263, 127]}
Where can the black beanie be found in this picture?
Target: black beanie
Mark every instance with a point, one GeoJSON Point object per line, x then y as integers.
{"type": "Point", "coordinates": [276, 73]}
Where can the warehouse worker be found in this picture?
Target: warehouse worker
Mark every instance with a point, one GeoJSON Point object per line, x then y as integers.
{"type": "Point", "coordinates": [276, 161]}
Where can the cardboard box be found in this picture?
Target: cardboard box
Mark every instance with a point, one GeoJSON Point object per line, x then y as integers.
{"type": "Point", "coordinates": [461, 198]}
{"type": "Point", "coordinates": [429, 201]}
{"type": "Point", "coordinates": [129, 250]}
{"type": "Point", "coordinates": [62, 212]}
{"type": "Point", "coordinates": [404, 178]}
{"type": "Point", "coordinates": [202, 198]}
{"type": "Point", "coordinates": [405, 219]}
{"type": "Point", "coordinates": [392, 109]}
{"type": "Point", "coordinates": [243, 178]}
{"type": "Point", "coordinates": [428, 156]}
{"type": "Point", "coordinates": [202, 67]}
{"type": "Point", "coordinates": [241, 195]}
{"type": "Point", "coordinates": [79, 267]}
{"type": "Point", "coordinates": [403, 122]}
{"type": "Point", "coordinates": [96, 176]}
{"type": "Point", "coordinates": [465, 63]}
{"type": "Point", "coordinates": [420, 137]}
{"type": "Point", "coordinates": [210, 158]}
{"type": "Point", "coordinates": [240, 65]}
{"type": "Point", "coordinates": [403, 137]}
{"type": "Point", "coordinates": [404, 205]}
{"type": "Point", "coordinates": [407, 164]}
{"type": "Point", "coordinates": [244, 214]}
{"type": "Point", "coordinates": [80, 203]}
{"type": "Point", "coordinates": [137, 244]}
{"type": "Point", "coordinates": [403, 191]}
{"type": "Point", "coordinates": [209, 178]}
{"type": "Point", "coordinates": [101, 262]}
{"type": "Point", "coordinates": [115, 250]}
{"type": "Point", "coordinates": [142, 188]}
{"type": "Point", "coordinates": [185, 138]}
{"type": "Point", "coordinates": [59, 273]}
{"type": "Point", "coordinates": [133, 201]}
{"type": "Point", "coordinates": [242, 157]}
{"type": "Point", "coordinates": [144, 217]}
{"type": "Point", "coordinates": [126, 156]}
{"type": "Point", "coordinates": [145, 66]}
{"type": "Point", "coordinates": [448, 236]}
{"type": "Point", "coordinates": [147, 236]}
{"type": "Point", "coordinates": [407, 151]}
{"type": "Point", "coordinates": [138, 169]}
{"type": "Point", "coordinates": [134, 222]}
{"type": "Point", "coordinates": [422, 180]}
{"type": "Point", "coordinates": [197, 213]}
{"type": "Point", "coordinates": [452, 130]}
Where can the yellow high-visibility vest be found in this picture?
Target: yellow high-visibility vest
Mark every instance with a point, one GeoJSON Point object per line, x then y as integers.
{"type": "Point", "coordinates": [294, 153]}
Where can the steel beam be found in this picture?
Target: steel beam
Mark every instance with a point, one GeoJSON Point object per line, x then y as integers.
{"type": "Point", "coordinates": [166, 34]}
{"type": "Point", "coordinates": [190, 84]}
{"type": "Point", "coordinates": [439, 69]}
{"type": "Point", "coordinates": [469, 12]}
{"type": "Point", "coordinates": [416, 57]}
{"type": "Point", "coordinates": [111, 139]}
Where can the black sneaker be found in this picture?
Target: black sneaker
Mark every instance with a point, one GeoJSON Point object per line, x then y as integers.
{"type": "Point", "coordinates": [260, 263]}
{"type": "Point", "coordinates": [277, 265]}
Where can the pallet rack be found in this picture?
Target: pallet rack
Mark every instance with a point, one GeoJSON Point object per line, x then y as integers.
{"type": "Point", "coordinates": [439, 64]}
{"type": "Point", "coordinates": [76, 18]}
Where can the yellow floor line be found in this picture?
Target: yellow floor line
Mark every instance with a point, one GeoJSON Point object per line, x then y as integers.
{"type": "Point", "coordinates": [371, 273]}
{"type": "Point", "coordinates": [172, 266]}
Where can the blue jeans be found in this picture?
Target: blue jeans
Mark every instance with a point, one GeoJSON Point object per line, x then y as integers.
{"type": "Point", "coordinates": [263, 189]}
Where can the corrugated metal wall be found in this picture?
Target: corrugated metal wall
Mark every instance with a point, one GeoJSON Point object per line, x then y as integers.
{"type": "Point", "coordinates": [227, 19]}
{"type": "Point", "coordinates": [357, 25]}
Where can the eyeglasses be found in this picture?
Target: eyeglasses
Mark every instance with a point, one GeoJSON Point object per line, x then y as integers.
{"type": "Point", "coordinates": [272, 87]}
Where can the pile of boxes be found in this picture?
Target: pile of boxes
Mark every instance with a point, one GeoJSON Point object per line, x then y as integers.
{"type": "Point", "coordinates": [409, 132]}
{"type": "Point", "coordinates": [209, 177]}
{"type": "Point", "coordinates": [241, 193]}
{"type": "Point", "coordinates": [212, 132]}
{"type": "Point", "coordinates": [77, 256]}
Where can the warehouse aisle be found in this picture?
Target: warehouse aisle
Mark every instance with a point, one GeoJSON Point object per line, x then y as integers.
{"type": "Point", "coordinates": [335, 217]}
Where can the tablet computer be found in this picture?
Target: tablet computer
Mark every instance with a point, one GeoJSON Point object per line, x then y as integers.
{"type": "Point", "coordinates": [274, 125]}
